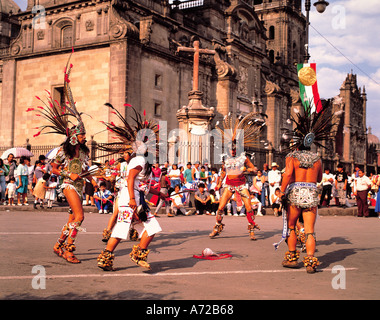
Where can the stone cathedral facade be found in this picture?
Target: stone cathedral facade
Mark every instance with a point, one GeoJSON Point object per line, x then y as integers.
{"type": "Point", "coordinates": [126, 52]}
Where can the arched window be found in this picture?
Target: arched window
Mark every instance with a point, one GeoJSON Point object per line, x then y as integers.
{"type": "Point", "coordinates": [271, 33]}
{"type": "Point", "coordinates": [63, 33]}
{"type": "Point", "coordinates": [67, 36]}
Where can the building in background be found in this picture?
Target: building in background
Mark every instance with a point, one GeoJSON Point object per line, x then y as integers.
{"type": "Point", "coordinates": [126, 52]}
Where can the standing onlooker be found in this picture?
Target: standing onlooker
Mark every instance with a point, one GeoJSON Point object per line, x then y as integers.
{"type": "Point", "coordinates": [187, 176]}
{"type": "Point", "coordinates": [203, 176]}
{"type": "Point", "coordinates": [10, 163]}
{"type": "Point", "coordinates": [51, 191]}
{"type": "Point", "coordinates": [214, 179]}
{"type": "Point", "coordinates": [22, 180]}
{"type": "Point", "coordinates": [258, 187]}
{"type": "Point", "coordinates": [266, 183]}
{"type": "Point", "coordinates": [195, 172]}
{"type": "Point", "coordinates": [156, 172]}
{"type": "Point", "coordinates": [377, 206]}
{"type": "Point", "coordinates": [175, 176]}
{"type": "Point", "coordinates": [327, 183]}
{"type": "Point", "coordinates": [30, 176]}
{"type": "Point", "coordinates": [274, 179]}
{"type": "Point", "coordinates": [89, 191]}
{"type": "Point", "coordinates": [341, 179]}
{"type": "Point", "coordinates": [362, 187]}
{"type": "Point", "coordinates": [40, 190]}
{"type": "Point", "coordinates": [3, 173]}
{"type": "Point", "coordinates": [164, 189]}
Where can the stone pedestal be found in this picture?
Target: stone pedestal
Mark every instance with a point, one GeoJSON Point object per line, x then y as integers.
{"type": "Point", "coordinates": [194, 126]}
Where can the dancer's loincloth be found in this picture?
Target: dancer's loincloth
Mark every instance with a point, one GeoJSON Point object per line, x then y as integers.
{"type": "Point", "coordinates": [236, 185]}
{"type": "Point", "coordinates": [303, 195]}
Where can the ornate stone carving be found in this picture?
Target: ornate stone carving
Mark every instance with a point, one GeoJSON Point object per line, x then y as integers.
{"type": "Point", "coordinates": [146, 29]}
{"type": "Point", "coordinates": [90, 25]}
{"type": "Point", "coordinates": [223, 68]}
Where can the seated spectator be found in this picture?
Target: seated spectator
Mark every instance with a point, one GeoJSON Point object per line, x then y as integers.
{"type": "Point", "coordinates": [214, 201]}
{"type": "Point", "coordinates": [103, 198]}
{"type": "Point", "coordinates": [202, 200]}
{"type": "Point", "coordinates": [276, 202]}
{"type": "Point", "coordinates": [177, 203]}
{"type": "Point", "coordinates": [237, 205]}
{"type": "Point", "coordinates": [256, 204]}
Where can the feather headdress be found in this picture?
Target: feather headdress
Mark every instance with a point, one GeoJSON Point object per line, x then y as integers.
{"type": "Point", "coordinates": [246, 127]}
{"type": "Point", "coordinates": [61, 116]}
{"type": "Point", "coordinates": [311, 127]}
{"type": "Point", "coordinates": [138, 137]}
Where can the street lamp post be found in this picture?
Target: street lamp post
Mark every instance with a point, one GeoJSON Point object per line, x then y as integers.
{"type": "Point", "coordinates": [321, 7]}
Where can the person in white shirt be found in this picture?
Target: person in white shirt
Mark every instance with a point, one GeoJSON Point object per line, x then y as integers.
{"type": "Point", "coordinates": [327, 183]}
{"type": "Point", "coordinates": [362, 186]}
{"type": "Point", "coordinates": [177, 201]}
{"type": "Point", "coordinates": [276, 202]}
{"type": "Point", "coordinates": [274, 180]}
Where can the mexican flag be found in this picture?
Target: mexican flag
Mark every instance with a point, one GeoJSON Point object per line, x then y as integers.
{"type": "Point", "coordinates": [307, 75]}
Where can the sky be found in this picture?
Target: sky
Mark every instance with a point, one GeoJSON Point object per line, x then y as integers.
{"type": "Point", "coordinates": [352, 26]}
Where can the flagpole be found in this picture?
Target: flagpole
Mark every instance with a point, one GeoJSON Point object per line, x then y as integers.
{"type": "Point", "coordinates": [321, 7]}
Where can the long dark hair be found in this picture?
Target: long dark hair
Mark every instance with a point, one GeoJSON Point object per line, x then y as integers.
{"type": "Point", "coordinates": [148, 165]}
{"type": "Point", "coordinates": [69, 149]}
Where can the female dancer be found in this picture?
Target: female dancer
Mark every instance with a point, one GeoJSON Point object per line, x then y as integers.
{"type": "Point", "coordinates": [71, 163]}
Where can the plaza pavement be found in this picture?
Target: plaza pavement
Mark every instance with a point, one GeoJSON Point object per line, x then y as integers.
{"type": "Point", "coordinates": [347, 247]}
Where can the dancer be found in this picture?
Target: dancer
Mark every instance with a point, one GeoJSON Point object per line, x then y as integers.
{"type": "Point", "coordinates": [302, 172]}
{"type": "Point", "coordinates": [247, 128]}
{"type": "Point", "coordinates": [130, 205]}
{"type": "Point", "coordinates": [120, 183]}
{"type": "Point", "coordinates": [71, 163]}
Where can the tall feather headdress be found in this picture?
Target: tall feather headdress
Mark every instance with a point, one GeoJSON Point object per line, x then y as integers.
{"type": "Point", "coordinates": [60, 117]}
{"type": "Point", "coordinates": [139, 137]}
{"type": "Point", "coordinates": [311, 127]}
{"type": "Point", "coordinates": [243, 128]}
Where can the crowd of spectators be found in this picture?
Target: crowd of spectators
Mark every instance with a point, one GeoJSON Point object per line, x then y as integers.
{"type": "Point", "coordinates": [193, 188]}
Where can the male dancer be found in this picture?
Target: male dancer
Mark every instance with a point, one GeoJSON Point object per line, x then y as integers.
{"type": "Point", "coordinates": [247, 128]}
{"type": "Point", "coordinates": [302, 172]}
{"type": "Point", "coordinates": [130, 206]}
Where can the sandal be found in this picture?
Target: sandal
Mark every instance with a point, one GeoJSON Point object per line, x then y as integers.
{"type": "Point", "coordinates": [70, 258]}
{"type": "Point", "coordinates": [58, 249]}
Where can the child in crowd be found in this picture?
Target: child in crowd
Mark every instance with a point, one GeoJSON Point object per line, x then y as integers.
{"type": "Point", "coordinates": [276, 202]}
{"type": "Point", "coordinates": [256, 204]}
{"type": "Point", "coordinates": [203, 176]}
{"type": "Point", "coordinates": [214, 201]}
{"type": "Point", "coordinates": [103, 198]}
{"type": "Point", "coordinates": [51, 191]}
{"type": "Point", "coordinates": [177, 201]}
{"type": "Point", "coordinates": [11, 191]}
{"type": "Point", "coordinates": [164, 189]}
{"type": "Point", "coordinates": [214, 179]}
{"type": "Point", "coordinates": [40, 190]}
